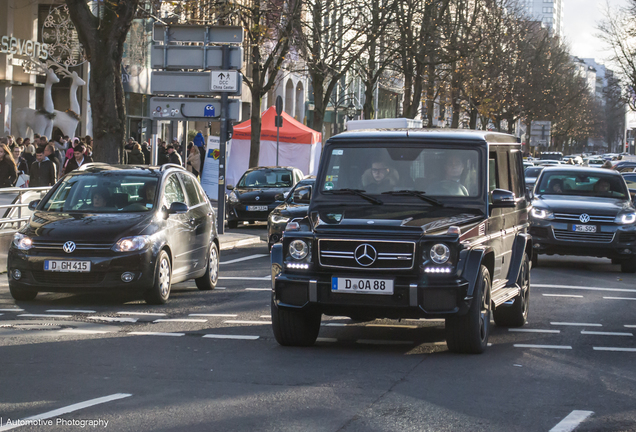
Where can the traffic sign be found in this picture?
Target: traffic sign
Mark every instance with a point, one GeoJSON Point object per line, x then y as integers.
{"type": "Point", "coordinates": [198, 33]}
{"type": "Point", "coordinates": [189, 83]}
{"type": "Point", "coordinates": [174, 108]}
{"type": "Point", "coordinates": [224, 81]}
{"type": "Point", "coordinates": [171, 57]}
{"type": "Point", "coordinates": [279, 105]}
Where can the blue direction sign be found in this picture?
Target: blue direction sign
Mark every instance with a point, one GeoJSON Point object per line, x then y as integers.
{"type": "Point", "coordinates": [209, 111]}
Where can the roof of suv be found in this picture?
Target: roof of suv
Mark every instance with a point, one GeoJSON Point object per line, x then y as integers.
{"type": "Point", "coordinates": [438, 134]}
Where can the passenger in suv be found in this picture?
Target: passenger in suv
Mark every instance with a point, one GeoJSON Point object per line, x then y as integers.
{"type": "Point", "coordinates": [447, 240]}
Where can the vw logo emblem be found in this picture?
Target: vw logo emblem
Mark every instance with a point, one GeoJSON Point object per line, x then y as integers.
{"type": "Point", "coordinates": [585, 218]}
{"type": "Point", "coordinates": [257, 198]}
{"type": "Point", "coordinates": [69, 247]}
{"type": "Point", "coordinates": [365, 255]}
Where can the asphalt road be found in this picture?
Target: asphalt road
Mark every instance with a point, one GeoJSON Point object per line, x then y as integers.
{"type": "Point", "coordinates": [207, 361]}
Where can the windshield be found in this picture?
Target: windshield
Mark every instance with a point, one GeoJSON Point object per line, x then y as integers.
{"type": "Point", "coordinates": [103, 193]}
{"type": "Point", "coordinates": [582, 184]}
{"type": "Point", "coordinates": [377, 170]}
{"type": "Point", "coordinates": [533, 172]}
{"type": "Point", "coordinates": [551, 156]}
{"type": "Point", "coordinates": [266, 178]}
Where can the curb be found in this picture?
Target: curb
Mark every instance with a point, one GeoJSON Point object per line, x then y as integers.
{"type": "Point", "coordinates": [242, 242]}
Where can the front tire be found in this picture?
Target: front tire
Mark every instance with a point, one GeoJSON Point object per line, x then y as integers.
{"type": "Point", "coordinates": [516, 314]}
{"type": "Point", "coordinates": [469, 333]}
{"type": "Point", "coordinates": [208, 281]}
{"type": "Point", "coordinates": [295, 328]}
{"type": "Point", "coordinates": [160, 290]}
{"type": "Point", "coordinates": [22, 295]}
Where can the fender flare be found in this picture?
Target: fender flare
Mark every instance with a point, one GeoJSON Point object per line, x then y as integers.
{"type": "Point", "coordinates": [474, 260]}
{"type": "Point", "coordinates": [520, 246]}
{"type": "Point", "coordinates": [277, 261]}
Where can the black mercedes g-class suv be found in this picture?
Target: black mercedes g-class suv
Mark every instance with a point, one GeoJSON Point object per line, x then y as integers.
{"type": "Point", "coordinates": [408, 224]}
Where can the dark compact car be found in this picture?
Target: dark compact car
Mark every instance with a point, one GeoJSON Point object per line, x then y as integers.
{"type": "Point", "coordinates": [254, 196]}
{"type": "Point", "coordinates": [584, 211]}
{"type": "Point", "coordinates": [104, 228]}
{"type": "Point", "coordinates": [288, 210]}
{"type": "Point", "coordinates": [408, 224]}
{"type": "Point", "coordinates": [531, 174]}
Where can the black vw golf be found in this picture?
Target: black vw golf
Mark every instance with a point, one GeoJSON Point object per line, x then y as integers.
{"type": "Point", "coordinates": [584, 211]}
{"type": "Point", "coordinates": [106, 228]}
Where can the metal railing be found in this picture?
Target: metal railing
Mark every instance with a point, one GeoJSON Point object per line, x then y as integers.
{"type": "Point", "coordinates": [13, 215]}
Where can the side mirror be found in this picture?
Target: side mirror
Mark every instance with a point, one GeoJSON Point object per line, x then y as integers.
{"type": "Point", "coordinates": [502, 199]}
{"type": "Point", "coordinates": [279, 197]}
{"type": "Point", "coordinates": [177, 208]}
{"type": "Point", "coordinates": [33, 205]}
{"type": "Point", "coordinates": [302, 195]}
{"type": "Point", "coordinates": [529, 193]}
{"type": "Point", "coordinates": [229, 187]}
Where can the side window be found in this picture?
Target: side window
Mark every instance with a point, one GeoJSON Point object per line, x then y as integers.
{"type": "Point", "coordinates": [516, 182]}
{"type": "Point", "coordinates": [502, 169]}
{"type": "Point", "coordinates": [492, 172]}
{"type": "Point", "coordinates": [191, 190]}
{"type": "Point", "coordinates": [172, 191]}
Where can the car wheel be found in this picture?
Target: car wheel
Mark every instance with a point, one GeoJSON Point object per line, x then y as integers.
{"type": "Point", "coordinates": [516, 314]}
{"type": "Point", "coordinates": [295, 328]}
{"type": "Point", "coordinates": [469, 333]}
{"type": "Point", "coordinates": [628, 265]}
{"type": "Point", "coordinates": [208, 280]}
{"type": "Point", "coordinates": [535, 260]}
{"type": "Point", "coordinates": [160, 290]}
{"type": "Point", "coordinates": [232, 224]}
{"type": "Point", "coordinates": [22, 295]}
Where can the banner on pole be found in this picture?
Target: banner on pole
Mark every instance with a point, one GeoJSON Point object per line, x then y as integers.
{"type": "Point", "coordinates": [210, 174]}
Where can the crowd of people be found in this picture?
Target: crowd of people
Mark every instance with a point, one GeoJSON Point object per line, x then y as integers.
{"type": "Point", "coordinates": [43, 161]}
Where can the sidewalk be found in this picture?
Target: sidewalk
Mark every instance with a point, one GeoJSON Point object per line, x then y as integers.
{"type": "Point", "coordinates": [232, 240]}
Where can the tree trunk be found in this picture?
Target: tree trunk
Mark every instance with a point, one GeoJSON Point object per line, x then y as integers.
{"type": "Point", "coordinates": [255, 144]}
{"type": "Point", "coordinates": [319, 104]}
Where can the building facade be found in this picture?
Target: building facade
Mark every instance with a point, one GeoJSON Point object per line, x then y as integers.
{"type": "Point", "coordinates": [549, 12]}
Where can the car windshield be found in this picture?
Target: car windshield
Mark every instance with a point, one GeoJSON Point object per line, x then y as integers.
{"type": "Point", "coordinates": [382, 170]}
{"type": "Point", "coordinates": [103, 193]}
{"type": "Point", "coordinates": [582, 184]}
{"type": "Point", "coordinates": [533, 172]}
{"type": "Point", "coordinates": [266, 178]}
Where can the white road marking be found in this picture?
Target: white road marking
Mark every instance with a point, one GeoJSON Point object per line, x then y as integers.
{"type": "Point", "coordinates": [582, 288]}
{"type": "Point", "coordinates": [246, 322]}
{"type": "Point", "coordinates": [113, 319]}
{"type": "Point", "coordinates": [214, 315]}
{"type": "Point", "coordinates": [70, 311]}
{"type": "Point", "coordinates": [266, 316]}
{"type": "Point", "coordinates": [238, 337]}
{"type": "Point", "coordinates": [571, 422]}
{"type": "Point", "coordinates": [258, 289]}
{"type": "Point", "coordinates": [392, 326]}
{"type": "Point", "coordinates": [542, 346]}
{"type": "Point", "coordinates": [82, 331]}
{"type": "Point", "coordinates": [335, 325]}
{"type": "Point", "coordinates": [181, 320]}
{"type": "Point", "coordinates": [522, 330]}
{"type": "Point", "coordinates": [141, 313]}
{"type": "Point", "coordinates": [322, 339]}
{"type": "Point", "coordinates": [562, 295]}
{"type": "Point", "coordinates": [383, 342]}
{"type": "Point", "coordinates": [619, 298]}
{"type": "Point", "coordinates": [337, 317]}
{"type": "Point", "coordinates": [12, 310]}
{"type": "Point", "coordinates": [576, 324]}
{"type": "Point", "coordinates": [219, 288]}
{"type": "Point", "coordinates": [614, 349]}
{"type": "Point", "coordinates": [69, 409]}
{"type": "Point", "coordinates": [44, 316]}
{"type": "Point", "coordinates": [246, 278]}
{"type": "Point", "coordinates": [250, 257]}
{"type": "Point", "coordinates": [155, 334]}
{"type": "Point", "coordinates": [630, 326]}
{"type": "Point", "coordinates": [605, 333]}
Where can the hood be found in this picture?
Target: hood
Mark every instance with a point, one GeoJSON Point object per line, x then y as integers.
{"type": "Point", "coordinates": [259, 195]}
{"type": "Point", "coordinates": [581, 204]}
{"type": "Point", "coordinates": [87, 227]}
{"type": "Point", "coordinates": [292, 210]}
{"type": "Point", "coordinates": [417, 220]}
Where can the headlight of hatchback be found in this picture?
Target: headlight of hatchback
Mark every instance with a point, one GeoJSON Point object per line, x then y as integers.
{"type": "Point", "coordinates": [130, 244]}
{"type": "Point", "coordinates": [22, 242]}
{"type": "Point", "coordinates": [232, 197]}
{"type": "Point", "coordinates": [298, 249]}
{"type": "Point", "coordinates": [279, 219]}
{"type": "Point", "coordinates": [541, 214]}
{"type": "Point", "coordinates": [625, 218]}
{"type": "Point", "coordinates": [440, 253]}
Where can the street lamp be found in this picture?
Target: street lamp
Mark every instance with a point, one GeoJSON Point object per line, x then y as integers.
{"type": "Point", "coordinates": [351, 110]}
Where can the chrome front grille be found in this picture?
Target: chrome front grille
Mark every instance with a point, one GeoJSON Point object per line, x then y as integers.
{"type": "Point", "coordinates": [576, 217]}
{"type": "Point", "coordinates": [389, 255]}
{"type": "Point", "coordinates": [58, 246]}
{"type": "Point", "coordinates": [598, 237]}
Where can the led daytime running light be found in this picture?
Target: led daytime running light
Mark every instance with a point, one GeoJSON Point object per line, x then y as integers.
{"type": "Point", "coordinates": [437, 270]}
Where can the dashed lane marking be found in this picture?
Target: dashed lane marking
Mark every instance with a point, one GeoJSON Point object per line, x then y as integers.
{"type": "Point", "coordinates": [392, 326]}
{"type": "Point", "coordinates": [219, 288]}
{"type": "Point", "coordinates": [617, 349]}
{"type": "Point", "coordinates": [572, 421]}
{"type": "Point", "coordinates": [583, 288]}
{"type": "Point", "coordinates": [141, 313]}
{"type": "Point", "coordinates": [67, 409]}
{"type": "Point", "coordinates": [12, 310]}
{"type": "Point", "coordinates": [521, 330]}
{"type": "Point", "coordinates": [44, 316]}
{"type": "Point", "coordinates": [258, 289]}
{"type": "Point", "coordinates": [334, 325]}
{"type": "Point", "coordinates": [619, 298]}
{"type": "Point", "coordinates": [113, 319]}
{"type": "Point", "coordinates": [576, 324]}
{"type": "Point", "coordinates": [605, 333]}
{"type": "Point", "coordinates": [266, 316]}
{"type": "Point", "coordinates": [562, 295]}
{"type": "Point", "coordinates": [246, 322]}
{"type": "Point", "coordinates": [81, 331]}
{"type": "Point", "coordinates": [247, 258]}
{"type": "Point", "coordinates": [542, 346]}
{"type": "Point", "coordinates": [630, 326]}
{"type": "Point", "coordinates": [71, 311]}
{"type": "Point", "coordinates": [155, 334]}
{"type": "Point", "coordinates": [192, 320]}
{"type": "Point", "coordinates": [237, 337]}
{"type": "Point", "coordinates": [246, 278]}
{"type": "Point", "coordinates": [214, 315]}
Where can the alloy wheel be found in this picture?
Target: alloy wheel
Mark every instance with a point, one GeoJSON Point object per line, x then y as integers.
{"type": "Point", "coordinates": [164, 277]}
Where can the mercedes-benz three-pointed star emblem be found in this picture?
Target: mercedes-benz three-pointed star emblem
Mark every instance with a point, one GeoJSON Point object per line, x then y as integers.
{"type": "Point", "coordinates": [69, 247]}
{"type": "Point", "coordinates": [585, 218]}
{"type": "Point", "coordinates": [257, 198]}
{"type": "Point", "coordinates": [365, 254]}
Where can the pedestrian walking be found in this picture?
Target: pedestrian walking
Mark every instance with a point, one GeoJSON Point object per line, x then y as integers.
{"type": "Point", "coordinates": [20, 161]}
{"type": "Point", "coordinates": [79, 158]}
{"type": "Point", "coordinates": [8, 169]}
{"type": "Point", "coordinates": [194, 160]}
{"type": "Point", "coordinates": [173, 156]}
{"type": "Point", "coordinates": [43, 171]}
{"type": "Point", "coordinates": [136, 157]}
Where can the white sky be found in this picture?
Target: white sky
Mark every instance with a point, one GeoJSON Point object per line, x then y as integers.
{"type": "Point", "coordinates": [581, 18]}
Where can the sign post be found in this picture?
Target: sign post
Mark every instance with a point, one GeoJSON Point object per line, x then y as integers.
{"type": "Point", "coordinates": [279, 122]}
{"type": "Point", "coordinates": [223, 145]}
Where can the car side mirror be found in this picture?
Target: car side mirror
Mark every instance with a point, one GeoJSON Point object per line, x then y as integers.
{"type": "Point", "coordinates": [502, 199]}
{"type": "Point", "coordinates": [229, 187]}
{"type": "Point", "coordinates": [33, 205]}
{"type": "Point", "coordinates": [529, 193]}
{"type": "Point", "coordinates": [302, 195]}
{"type": "Point", "coordinates": [178, 208]}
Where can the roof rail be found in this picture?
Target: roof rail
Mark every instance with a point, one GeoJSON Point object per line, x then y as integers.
{"type": "Point", "coordinates": [170, 165]}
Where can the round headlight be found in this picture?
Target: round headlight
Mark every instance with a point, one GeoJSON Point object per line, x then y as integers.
{"type": "Point", "coordinates": [298, 249]}
{"type": "Point", "coordinates": [440, 253]}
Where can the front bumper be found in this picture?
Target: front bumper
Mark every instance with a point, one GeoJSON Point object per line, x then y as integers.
{"type": "Point", "coordinates": [104, 276]}
{"type": "Point", "coordinates": [412, 297]}
{"type": "Point", "coordinates": [610, 241]}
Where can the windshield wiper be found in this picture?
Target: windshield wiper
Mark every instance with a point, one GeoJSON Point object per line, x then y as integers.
{"type": "Point", "coordinates": [419, 194]}
{"type": "Point", "coordinates": [359, 192]}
